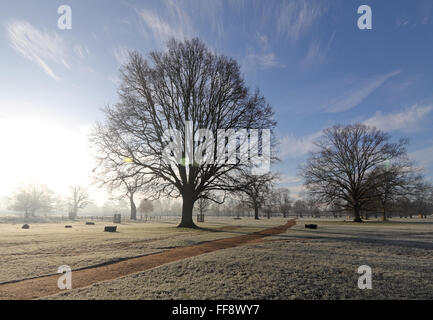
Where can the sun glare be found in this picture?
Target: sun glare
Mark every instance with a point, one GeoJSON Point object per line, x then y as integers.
{"type": "Point", "coordinates": [42, 151]}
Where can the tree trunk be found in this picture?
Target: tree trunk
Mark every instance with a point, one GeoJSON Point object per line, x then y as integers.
{"type": "Point", "coordinates": [357, 212]}
{"type": "Point", "coordinates": [133, 208]}
{"type": "Point", "coordinates": [187, 207]}
{"type": "Point", "coordinates": [256, 212]}
{"type": "Point", "coordinates": [384, 215]}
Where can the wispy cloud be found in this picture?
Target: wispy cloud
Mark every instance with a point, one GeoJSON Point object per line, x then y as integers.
{"type": "Point", "coordinates": [174, 23]}
{"type": "Point", "coordinates": [262, 41]}
{"type": "Point", "coordinates": [355, 95]}
{"type": "Point", "coordinates": [298, 16]}
{"type": "Point", "coordinates": [288, 179]}
{"type": "Point", "coordinates": [423, 157]}
{"type": "Point", "coordinates": [81, 51]}
{"type": "Point", "coordinates": [293, 184]}
{"type": "Point", "coordinates": [121, 53]}
{"type": "Point", "coordinates": [317, 52]}
{"type": "Point", "coordinates": [160, 28]}
{"type": "Point", "coordinates": [408, 119]}
{"type": "Point", "coordinates": [267, 60]}
{"type": "Point", "coordinates": [294, 147]}
{"type": "Point", "coordinates": [38, 46]}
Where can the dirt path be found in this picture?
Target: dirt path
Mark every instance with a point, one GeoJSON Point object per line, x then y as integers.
{"type": "Point", "coordinates": [47, 285]}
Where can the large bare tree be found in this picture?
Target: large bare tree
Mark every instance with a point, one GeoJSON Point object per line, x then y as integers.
{"type": "Point", "coordinates": [341, 168]}
{"type": "Point", "coordinates": [166, 123]}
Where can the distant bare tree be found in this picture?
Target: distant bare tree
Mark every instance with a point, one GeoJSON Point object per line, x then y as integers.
{"type": "Point", "coordinates": [272, 203]}
{"type": "Point", "coordinates": [300, 208]}
{"type": "Point", "coordinates": [203, 204]}
{"type": "Point", "coordinates": [283, 201]}
{"type": "Point", "coordinates": [393, 180]}
{"type": "Point", "coordinates": [256, 189]}
{"type": "Point", "coordinates": [33, 198]}
{"type": "Point", "coordinates": [340, 169]}
{"type": "Point", "coordinates": [186, 88]}
{"type": "Point", "coordinates": [79, 199]}
{"type": "Point", "coordinates": [421, 200]}
{"type": "Point", "coordinates": [122, 181]}
{"type": "Point", "coordinates": [145, 207]}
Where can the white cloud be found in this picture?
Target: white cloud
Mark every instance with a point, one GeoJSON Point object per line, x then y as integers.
{"type": "Point", "coordinates": [81, 51]}
{"type": "Point", "coordinates": [268, 60]}
{"type": "Point", "coordinates": [296, 192]}
{"type": "Point", "coordinates": [262, 40]}
{"type": "Point", "coordinates": [288, 179]}
{"type": "Point", "coordinates": [298, 16]}
{"type": "Point", "coordinates": [353, 97]}
{"type": "Point", "coordinates": [38, 46]}
{"type": "Point", "coordinates": [423, 157]}
{"type": "Point", "coordinates": [121, 54]}
{"type": "Point", "coordinates": [293, 147]}
{"type": "Point", "coordinates": [160, 28]}
{"type": "Point", "coordinates": [114, 79]}
{"type": "Point", "coordinates": [175, 23]}
{"type": "Point", "coordinates": [403, 120]}
{"type": "Point", "coordinates": [317, 53]}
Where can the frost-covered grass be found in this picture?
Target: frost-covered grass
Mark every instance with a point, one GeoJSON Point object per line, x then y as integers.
{"type": "Point", "coordinates": [44, 247]}
{"type": "Point", "coordinates": [300, 264]}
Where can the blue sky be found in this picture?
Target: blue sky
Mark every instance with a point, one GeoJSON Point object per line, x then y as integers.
{"type": "Point", "coordinates": [310, 60]}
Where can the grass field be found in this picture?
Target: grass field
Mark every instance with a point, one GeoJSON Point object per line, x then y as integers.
{"type": "Point", "coordinates": [44, 247]}
{"type": "Point", "coordinates": [298, 264]}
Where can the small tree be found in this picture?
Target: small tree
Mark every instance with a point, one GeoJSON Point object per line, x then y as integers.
{"type": "Point", "coordinates": [79, 199]}
{"type": "Point", "coordinates": [300, 208]}
{"type": "Point", "coordinates": [145, 207]}
{"type": "Point", "coordinates": [255, 189]}
{"type": "Point", "coordinates": [32, 198]}
{"type": "Point", "coordinates": [203, 204]}
{"type": "Point", "coordinates": [283, 201]}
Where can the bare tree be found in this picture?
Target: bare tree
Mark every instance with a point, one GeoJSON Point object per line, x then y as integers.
{"type": "Point", "coordinates": [272, 202]}
{"type": "Point", "coordinates": [145, 207]}
{"type": "Point", "coordinates": [419, 202]}
{"type": "Point", "coordinates": [283, 201]}
{"type": "Point", "coordinates": [256, 189]}
{"type": "Point", "coordinates": [203, 204]}
{"type": "Point", "coordinates": [340, 169]}
{"type": "Point", "coordinates": [166, 102]}
{"type": "Point", "coordinates": [125, 182]}
{"type": "Point", "coordinates": [32, 198]}
{"type": "Point", "coordinates": [300, 208]}
{"type": "Point", "coordinates": [79, 199]}
{"type": "Point", "coordinates": [393, 180]}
